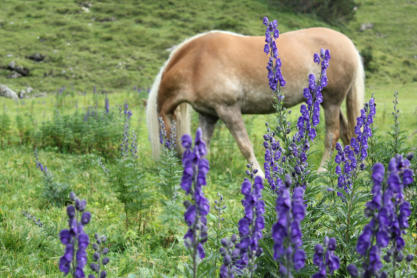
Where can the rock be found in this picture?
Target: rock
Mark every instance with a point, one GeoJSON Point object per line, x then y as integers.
{"type": "Point", "coordinates": [25, 92]}
{"type": "Point", "coordinates": [366, 26]}
{"type": "Point", "coordinates": [14, 75]}
{"type": "Point", "coordinates": [7, 92]}
{"type": "Point", "coordinates": [19, 69]}
{"type": "Point", "coordinates": [37, 57]}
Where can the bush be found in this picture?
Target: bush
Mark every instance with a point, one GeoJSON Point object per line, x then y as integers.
{"type": "Point", "coordinates": [332, 11]}
{"type": "Point", "coordinates": [96, 131]}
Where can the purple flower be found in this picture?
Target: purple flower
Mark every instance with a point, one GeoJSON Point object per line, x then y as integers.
{"type": "Point", "coordinates": [252, 223]}
{"type": "Point", "coordinates": [99, 252]}
{"type": "Point", "coordinates": [316, 58]}
{"type": "Point", "coordinates": [64, 265]}
{"type": "Point", "coordinates": [85, 218]}
{"type": "Point", "coordinates": [299, 259]}
{"type": "Point", "coordinates": [353, 270]}
{"type": "Point", "coordinates": [193, 179]}
{"type": "Point", "coordinates": [389, 217]}
{"type": "Point", "coordinates": [65, 236]}
{"type": "Point", "coordinates": [190, 215]}
{"type": "Point", "coordinates": [326, 259]}
{"type": "Point", "coordinates": [266, 21]}
{"type": "Point", "coordinates": [353, 155]}
{"type": "Point", "coordinates": [106, 105]}
{"type": "Point", "coordinates": [75, 239]}
{"type": "Point", "coordinates": [274, 72]}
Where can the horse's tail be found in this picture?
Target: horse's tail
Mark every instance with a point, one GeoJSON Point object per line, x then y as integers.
{"type": "Point", "coordinates": [355, 96]}
{"type": "Point", "coordinates": [182, 121]}
{"type": "Point", "coordinates": [152, 120]}
{"type": "Point", "coordinates": [181, 114]}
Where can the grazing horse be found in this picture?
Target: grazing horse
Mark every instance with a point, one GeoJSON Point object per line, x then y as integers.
{"type": "Point", "coordinates": [223, 75]}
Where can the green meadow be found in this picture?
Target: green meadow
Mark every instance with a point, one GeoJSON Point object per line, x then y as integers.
{"type": "Point", "coordinates": [105, 49]}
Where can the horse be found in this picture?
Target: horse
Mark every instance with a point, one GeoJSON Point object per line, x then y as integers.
{"type": "Point", "coordinates": [223, 75]}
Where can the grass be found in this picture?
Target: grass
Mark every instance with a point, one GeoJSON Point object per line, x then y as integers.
{"type": "Point", "coordinates": [150, 249]}
{"type": "Point", "coordinates": [116, 47]}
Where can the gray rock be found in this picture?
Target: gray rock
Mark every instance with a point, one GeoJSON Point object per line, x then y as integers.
{"type": "Point", "coordinates": [37, 57]}
{"type": "Point", "coordinates": [366, 26]}
{"type": "Point", "coordinates": [14, 75]}
{"type": "Point", "coordinates": [25, 92]}
{"type": "Point", "coordinates": [16, 68]}
{"type": "Point", "coordinates": [7, 92]}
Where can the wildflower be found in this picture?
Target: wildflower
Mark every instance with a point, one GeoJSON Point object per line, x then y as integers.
{"type": "Point", "coordinates": [350, 159]}
{"type": "Point", "coordinates": [168, 141]}
{"type": "Point", "coordinates": [75, 239]}
{"type": "Point", "coordinates": [106, 105]}
{"type": "Point", "coordinates": [353, 271]}
{"type": "Point", "coordinates": [389, 217]}
{"type": "Point", "coordinates": [252, 223]}
{"type": "Point", "coordinates": [100, 252]}
{"type": "Point", "coordinates": [230, 254]}
{"type": "Point", "coordinates": [275, 77]}
{"type": "Point", "coordinates": [289, 184]}
{"type": "Point", "coordinates": [194, 177]}
{"type": "Point", "coordinates": [399, 210]}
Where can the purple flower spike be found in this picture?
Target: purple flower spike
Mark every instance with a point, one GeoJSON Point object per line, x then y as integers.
{"type": "Point", "coordinates": [350, 159]}
{"type": "Point", "coordinates": [353, 270]}
{"type": "Point", "coordinates": [85, 218]}
{"type": "Point", "coordinates": [326, 260]}
{"type": "Point", "coordinates": [389, 214]}
{"type": "Point", "coordinates": [252, 223]}
{"type": "Point", "coordinates": [194, 178]}
{"type": "Point", "coordinates": [75, 239]}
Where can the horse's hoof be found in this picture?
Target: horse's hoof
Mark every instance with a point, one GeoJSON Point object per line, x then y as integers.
{"type": "Point", "coordinates": [322, 170]}
{"type": "Point", "coordinates": [260, 174]}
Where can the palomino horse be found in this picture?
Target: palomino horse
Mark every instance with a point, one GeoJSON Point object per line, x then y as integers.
{"type": "Point", "coordinates": [223, 75]}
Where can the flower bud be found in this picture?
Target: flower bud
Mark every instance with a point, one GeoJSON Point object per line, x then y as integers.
{"type": "Point", "coordinates": [105, 260]}
{"type": "Point", "coordinates": [353, 271]}
{"type": "Point", "coordinates": [95, 267]}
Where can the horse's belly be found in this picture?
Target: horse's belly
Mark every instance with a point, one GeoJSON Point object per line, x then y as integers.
{"type": "Point", "coordinates": [258, 103]}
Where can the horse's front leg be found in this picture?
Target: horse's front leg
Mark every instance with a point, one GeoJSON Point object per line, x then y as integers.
{"type": "Point", "coordinates": [207, 124]}
{"type": "Point", "coordinates": [232, 117]}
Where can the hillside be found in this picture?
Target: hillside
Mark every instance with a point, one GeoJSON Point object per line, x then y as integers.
{"type": "Point", "coordinates": [118, 46]}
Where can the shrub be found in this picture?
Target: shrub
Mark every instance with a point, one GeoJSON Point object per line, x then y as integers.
{"type": "Point", "coordinates": [126, 176]}
{"type": "Point", "coordinates": [53, 191]}
{"type": "Point", "coordinates": [96, 131]}
{"type": "Point", "coordinates": [332, 11]}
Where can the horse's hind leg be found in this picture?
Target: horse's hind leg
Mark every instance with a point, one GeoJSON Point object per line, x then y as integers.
{"type": "Point", "coordinates": [232, 117]}
{"type": "Point", "coordinates": [332, 121]}
{"type": "Point", "coordinates": [344, 131]}
{"type": "Point", "coordinates": [207, 124]}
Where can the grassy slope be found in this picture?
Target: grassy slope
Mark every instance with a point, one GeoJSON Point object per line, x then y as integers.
{"type": "Point", "coordinates": [114, 46]}
{"type": "Point", "coordinates": [128, 51]}
{"type": "Point", "coordinates": [118, 46]}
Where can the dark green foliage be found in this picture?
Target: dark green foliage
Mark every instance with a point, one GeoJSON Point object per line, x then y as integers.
{"type": "Point", "coordinates": [53, 192]}
{"type": "Point", "coordinates": [93, 132]}
{"type": "Point", "coordinates": [344, 215]}
{"type": "Point", "coordinates": [128, 183]}
{"type": "Point", "coordinates": [4, 127]}
{"type": "Point", "coordinates": [127, 176]}
{"type": "Point", "coordinates": [170, 172]}
{"type": "Point", "coordinates": [26, 128]}
{"type": "Point", "coordinates": [382, 148]}
{"type": "Point", "coordinates": [368, 59]}
{"type": "Point", "coordinates": [332, 11]}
